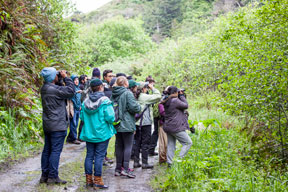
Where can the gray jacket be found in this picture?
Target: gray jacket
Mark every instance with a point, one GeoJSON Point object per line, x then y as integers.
{"type": "Point", "coordinates": [175, 118]}
{"type": "Point", "coordinates": [55, 117]}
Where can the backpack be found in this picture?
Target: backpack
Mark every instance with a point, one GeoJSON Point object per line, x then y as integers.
{"type": "Point", "coordinates": [116, 111]}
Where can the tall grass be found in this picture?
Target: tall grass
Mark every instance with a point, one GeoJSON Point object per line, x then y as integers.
{"type": "Point", "coordinates": [218, 160]}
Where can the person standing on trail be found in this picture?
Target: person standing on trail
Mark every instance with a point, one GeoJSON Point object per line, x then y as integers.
{"type": "Point", "coordinates": [127, 108]}
{"type": "Point", "coordinates": [83, 83]}
{"type": "Point", "coordinates": [176, 123]}
{"type": "Point", "coordinates": [74, 121]}
{"type": "Point", "coordinates": [107, 76]}
{"type": "Point", "coordinates": [98, 116]}
{"type": "Point", "coordinates": [144, 123]}
{"type": "Point", "coordinates": [55, 122]}
{"type": "Point", "coordinates": [156, 115]}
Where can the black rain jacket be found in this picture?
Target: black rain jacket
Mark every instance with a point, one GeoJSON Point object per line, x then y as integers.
{"type": "Point", "coordinates": [55, 116]}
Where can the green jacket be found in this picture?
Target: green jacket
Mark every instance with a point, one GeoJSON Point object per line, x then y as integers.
{"type": "Point", "coordinates": [148, 99]}
{"type": "Point", "coordinates": [98, 115]}
{"type": "Point", "coordinates": [128, 107]}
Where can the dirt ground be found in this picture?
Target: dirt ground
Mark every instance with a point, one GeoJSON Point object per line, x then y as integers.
{"type": "Point", "coordinates": [25, 176]}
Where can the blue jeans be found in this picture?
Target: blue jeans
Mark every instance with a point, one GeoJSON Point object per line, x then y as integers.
{"type": "Point", "coordinates": [95, 152]}
{"type": "Point", "coordinates": [51, 153]}
{"type": "Point", "coordinates": [73, 126]}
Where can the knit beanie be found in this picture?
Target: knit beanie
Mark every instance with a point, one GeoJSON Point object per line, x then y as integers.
{"type": "Point", "coordinates": [49, 74]}
{"type": "Point", "coordinates": [96, 73]}
{"type": "Point", "coordinates": [95, 82]}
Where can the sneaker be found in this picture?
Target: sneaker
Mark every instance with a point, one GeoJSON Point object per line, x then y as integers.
{"type": "Point", "coordinates": [128, 174]}
{"type": "Point", "coordinates": [56, 181]}
{"type": "Point", "coordinates": [147, 166]}
{"type": "Point", "coordinates": [110, 161]}
{"type": "Point", "coordinates": [136, 164]}
{"type": "Point", "coordinates": [117, 173]}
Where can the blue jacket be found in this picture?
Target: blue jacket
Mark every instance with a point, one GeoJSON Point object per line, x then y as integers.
{"type": "Point", "coordinates": [76, 99]}
{"type": "Point", "coordinates": [98, 115]}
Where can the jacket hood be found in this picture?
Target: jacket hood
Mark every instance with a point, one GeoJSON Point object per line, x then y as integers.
{"type": "Point", "coordinates": [94, 101]}
{"type": "Point", "coordinates": [117, 91]}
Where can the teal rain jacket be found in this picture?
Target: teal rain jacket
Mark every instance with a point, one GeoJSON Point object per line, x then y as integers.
{"type": "Point", "coordinates": [98, 115]}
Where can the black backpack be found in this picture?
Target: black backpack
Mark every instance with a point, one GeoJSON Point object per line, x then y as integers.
{"type": "Point", "coordinates": [116, 111]}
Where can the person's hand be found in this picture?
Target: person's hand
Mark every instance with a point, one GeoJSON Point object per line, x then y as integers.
{"type": "Point", "coordinates": [150, 85]}
{"type": "Point", "coordinates": [79, 91]}
{"type": "Point", "coordinates": [63, 73]}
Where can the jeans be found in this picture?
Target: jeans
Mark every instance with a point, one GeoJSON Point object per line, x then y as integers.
{"type": "Point", "coordinates": [142, 138]}
{"type": "Point", "coordinates": [123, 147]}
{"type": "Point", "coordinates": [185, 141]}
{"type": "Point", "coordinates": [95, 152]}
{"type": "Point", "coordinates": [73, 126]}
{"type": "Point", "coordinates": [51, 153]}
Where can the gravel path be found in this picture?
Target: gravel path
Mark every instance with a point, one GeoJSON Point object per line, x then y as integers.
{"type": "Point", "coordinates": [25, 176]}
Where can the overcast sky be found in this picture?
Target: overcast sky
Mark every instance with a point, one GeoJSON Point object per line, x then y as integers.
{"type": "Point", "coordinates": [86, 6]}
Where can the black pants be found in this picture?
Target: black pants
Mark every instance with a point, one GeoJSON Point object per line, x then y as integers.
{"type": "Point", "coordinates": [142, 138]}
{"type": "Point", "coordinates": [123, 147]}
{"type": "Point", "coordinates": [154, 137]}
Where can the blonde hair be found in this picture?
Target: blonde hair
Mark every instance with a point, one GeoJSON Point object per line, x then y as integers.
{"type": "Point", "coordinates": [121, 81]}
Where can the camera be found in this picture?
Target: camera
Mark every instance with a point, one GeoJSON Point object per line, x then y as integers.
{"type": "Point", "coordinates": [60, 79]}
{"type": "Point", "coordinates": [183, 92]}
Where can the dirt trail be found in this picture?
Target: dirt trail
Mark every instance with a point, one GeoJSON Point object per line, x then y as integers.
{"type": "Point", "coordinates": [25, 176]}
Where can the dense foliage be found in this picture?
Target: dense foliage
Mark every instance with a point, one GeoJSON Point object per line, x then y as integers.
{"type": "Point", "coordinates": [244, 56]}
{"type": "Point", "coordinates": [217, 161]}
{"type": "Point", "coordinates": [33, 35]}
{"type": "Point", "coordinates": [114, 39]}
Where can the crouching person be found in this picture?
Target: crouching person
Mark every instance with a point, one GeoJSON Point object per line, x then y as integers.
{"type": "Point", "coordinates": [98, 115]}
{"type": "Point", "coordinates": [55, 122]}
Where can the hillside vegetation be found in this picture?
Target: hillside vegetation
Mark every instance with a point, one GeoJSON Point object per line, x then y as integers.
{"type": "Point", "coordinates": [230, 56]}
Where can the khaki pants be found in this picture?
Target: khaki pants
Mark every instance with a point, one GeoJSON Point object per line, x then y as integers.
{"type": "Point", "coordinates": [162, 145]}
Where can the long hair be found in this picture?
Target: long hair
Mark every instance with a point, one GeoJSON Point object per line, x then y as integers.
{"type": "Point", "coordinates": [121, 81]}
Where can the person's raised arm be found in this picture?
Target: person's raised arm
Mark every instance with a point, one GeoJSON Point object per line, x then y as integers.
{"type": "Point", "coordinates": [181, 103]}
{"type": "Point", "coordinates": [67, 91]}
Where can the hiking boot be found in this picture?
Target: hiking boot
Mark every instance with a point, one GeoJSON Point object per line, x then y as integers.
{"type": "Point", "coordinates": [56, 181]}
{"type": "Point", "coordinates": [136, 164]}
{"type": "Point", "coordinates": [147, 166]}
{"type": "Point", "coordinates": [89, 180]}
{"type": "Point", "coordinates": [153, 154]}
{"type": "Point", "coordinates": [98, 183]}
{"type": "Point", "coordinates": [43, 179]}
{"type": "Point", "coordinates": [128, 174]}
{"type": "Point", "coordinates": [110, 161]}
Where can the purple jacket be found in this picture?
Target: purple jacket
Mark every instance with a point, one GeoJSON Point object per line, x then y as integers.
{"type": "Point", "coordinates": [162, 113]}
{"type": "Point", "coordinates": [175, 118]}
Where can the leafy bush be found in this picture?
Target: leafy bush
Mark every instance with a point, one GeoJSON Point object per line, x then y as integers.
{"type": "Point", "coordinates": [244, 57]}
{"type": "Point", "coordinates": [115, 38]}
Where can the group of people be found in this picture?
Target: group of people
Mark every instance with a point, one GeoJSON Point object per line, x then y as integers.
{"type": "Point", "coordinates": [116, 105]}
